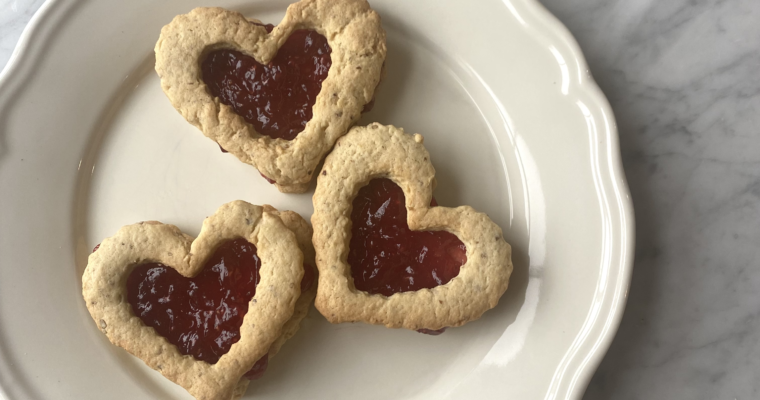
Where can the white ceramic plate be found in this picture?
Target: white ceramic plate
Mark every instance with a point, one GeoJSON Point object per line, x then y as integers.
{"type": "Point", "coordinates": [515, 127]}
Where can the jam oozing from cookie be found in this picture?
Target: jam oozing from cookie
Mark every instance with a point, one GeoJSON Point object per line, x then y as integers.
{"type": "Point", "coordinates": [432, 332]}
{"type": "Point", "coordinates": [276, 98]}
{"type": "Point", "coordinates": [258, 369]}
{"type": "Point", "coordinates": [308, 277]}
{"type": "Point", "coordinates": [271, 181]}
{"type": "Point", "coordinates": [201, 315]}
{"type": "Point", "coordinates": [385, 256]}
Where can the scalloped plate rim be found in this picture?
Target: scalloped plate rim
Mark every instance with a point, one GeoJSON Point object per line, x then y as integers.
{"type": "Point", "coordinates": [580, 365]}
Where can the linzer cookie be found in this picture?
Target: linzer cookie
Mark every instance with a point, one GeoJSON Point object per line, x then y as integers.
{"type": "Point", "coordinates": [277, 97]}
{"type": "Point", "coordinates": [386, 253]}
{"type": "Point", "coordinates": [206, 313]}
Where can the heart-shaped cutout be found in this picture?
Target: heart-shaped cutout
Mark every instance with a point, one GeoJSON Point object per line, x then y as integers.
{"type": "Point", "coordinates": [275, 98]}
{"type": "Point", "coordinates": [193, 42]}
{"type": "Point", "coordinates": [131, 294]}
{"type": "Point", "coordinates": [387, 257]}
{"type": "Point", "coordinates": [202, 315]}
{"type": "Point", "coordinates": [352, 170]}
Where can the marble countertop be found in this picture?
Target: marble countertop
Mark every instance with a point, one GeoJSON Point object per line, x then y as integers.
{"type": "Point", "coordinates": [683, 77]}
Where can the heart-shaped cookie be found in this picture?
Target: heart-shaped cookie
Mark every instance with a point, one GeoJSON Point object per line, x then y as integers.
{"type": "Point", "coordinates": [374, 159]}
{"type": "Point", "coordinates": [246, 72]}
{"type": "Point", "coordinates": [280, 242]}
{"type": "Point", "coordinates": [387, 257]}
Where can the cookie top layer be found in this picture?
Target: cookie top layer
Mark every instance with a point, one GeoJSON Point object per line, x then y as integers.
{"type": "Point", "coordinates": [357, 40]}
{"type": "Point", "coordinates": [303, 233]}
{"type": "Point", "coordinates": [270, 312]}
{"type": "Point", "coordinates": [378, 151]}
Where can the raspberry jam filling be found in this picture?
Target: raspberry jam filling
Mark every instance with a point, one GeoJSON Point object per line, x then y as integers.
{"type": "Point", "coordinates": [202, 315]}
{"type": "Point", "coordinates": [386, 257]}
{"type": "Point", "coordinates": [432, 332]}
{"type": "Point", "coordinates": [276, 98]}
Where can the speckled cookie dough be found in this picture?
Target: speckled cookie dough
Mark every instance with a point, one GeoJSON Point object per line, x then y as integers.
{"type": "Point", "coordinates": [303, 233]}
{"type": "Point", "coordinates": [282, 239]}
{"type": "Point", "coordinates": [378, 151]}
{"type": "Point", "coordinates": [357, 40]}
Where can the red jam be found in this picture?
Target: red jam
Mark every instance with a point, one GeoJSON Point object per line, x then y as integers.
{"type": "Point", "coordinates": [276, 98]}
{"type": "Point", "coordinates": [266, 178]}
{"type": "Point", "coordinates": [258, 369]}
{"type": "Point", "coordinates": [432, 332]}
{"type": "Point", "coordinates": [386, 257]}
{"type": "Point", "coordinates": [202, 315]}
{"type": "Point", "coordinates": [308, 277]}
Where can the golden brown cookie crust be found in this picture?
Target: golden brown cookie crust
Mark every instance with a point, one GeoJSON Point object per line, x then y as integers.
{"type": "Point", "coordinates": [357, 40]}
{"type": "Point", "coordinates": [378, 151]}
{"type": "Point", "coordinates": [270, 311]}
{"type": "Point", "coordinates": [303, 233]}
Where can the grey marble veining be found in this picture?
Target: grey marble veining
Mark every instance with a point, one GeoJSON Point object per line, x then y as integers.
{"type": "Point", "coordinates": [683, 77]}
{"type": "Point", "coordinates": [14, 15]}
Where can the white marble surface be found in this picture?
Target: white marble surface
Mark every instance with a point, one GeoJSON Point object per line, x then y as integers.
{"type": "Point", "coordinates": [683, 77]}
{"type": "Point", "coordinates": [14, 15]}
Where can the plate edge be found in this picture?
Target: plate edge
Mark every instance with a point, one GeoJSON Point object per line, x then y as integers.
{"type": "Point", "coordinates": [25, 50]}
{"type": "Point", "coordinates": [21, 52]}
{"type": "Point", "coordinates": [592, 89]}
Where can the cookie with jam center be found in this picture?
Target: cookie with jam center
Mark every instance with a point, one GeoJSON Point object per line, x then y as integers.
{"type": "Point", "coordinates": [386, 253]}
{"type": "Point", "coordinates": [276, 97]}
{"type": "Point", "coordinates": [208, 313]}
